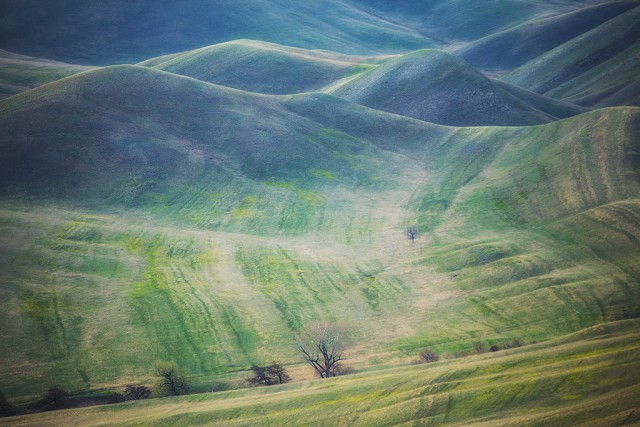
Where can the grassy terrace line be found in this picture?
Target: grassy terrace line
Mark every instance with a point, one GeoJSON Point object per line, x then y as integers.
{"type": "Point", "coordinates": [590, 377]}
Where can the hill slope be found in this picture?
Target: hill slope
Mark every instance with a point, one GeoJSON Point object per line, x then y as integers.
{"type": "Point", "coordinates": [514, 47]}
{"type": "Point", "coordinates": [605, 55]}
{"type": "Point", "coordinates": [262, 67]}
{"type": "Point", "coordinates": [437, 87]}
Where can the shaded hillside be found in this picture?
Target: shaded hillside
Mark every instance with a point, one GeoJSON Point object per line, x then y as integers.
{"type": "Point", "coordinates": [123, 31]}
{"type": "Point", "coordinates": [439, 88]}
{"type": "Point", "coordinates": [553, 107]}
{"type": "Point", "coordinates": [606, 55]}
{"type": "Point", "coordinates": [262, 67]}
{"type": "Point", "coordinates": [458, 20]}
{"type": "Point", "coordinates": [613, 82]}
{"type": "Point", "coordinates": [19, 73]}
{"type": "Point", "coordinates": [511, 48]}
{"type": "Point", "coordinates": [150, 131]}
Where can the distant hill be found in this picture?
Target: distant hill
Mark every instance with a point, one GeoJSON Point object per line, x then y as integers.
{"type": "Point", "coordinates": [182, 129]}
{"type": "Point", "coordinates": [19, 73]}
{"type": "Point", "coordinates": [460, 21]}
{"type": "Point", "coordinates": [590, 69]}
{"type": "Point", "coordinates": [513, 47]}
{"type": "Point", "coordinates": [437, 87]}
{"type": "Point", "coordinates": [123, 31]}
{"type": "Point", "coordinates": [262, 67]}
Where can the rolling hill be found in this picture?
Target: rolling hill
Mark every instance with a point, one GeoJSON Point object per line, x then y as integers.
{"type": "Point", "coordinates": [525, 42]}
{"type": "Point", "coordinates": [590, 68]}
{"type": "Point", "coordinates": [437, 87]}
{"type": "Point", "coordinates": [263, 67]}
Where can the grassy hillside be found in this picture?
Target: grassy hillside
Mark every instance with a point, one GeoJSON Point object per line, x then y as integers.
{"type": "Point", "coordinates": [588, 378]}
{"type": "Point", "coordinates": [511, 48]}
{"type": "Point", "coordinates": [260, 214]}
{"type": "Point", "coordinates": [263, 67]}
{"type": "Point", "coordinates": [589, 68]}
{"type": "Point", "coordinates": [19, 73]}
{"type": "Point", "coordinates": [440, 88]}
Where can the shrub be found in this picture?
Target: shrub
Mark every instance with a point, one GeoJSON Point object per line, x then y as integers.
{"type": "Point", "coordinates": [429, 356]}
{"type": "Point", "coordinates": [268, 375]}
{"type": "Point", "coordinates": [479, 347]}
{"type": "Point", "coordinates": [137, 392]}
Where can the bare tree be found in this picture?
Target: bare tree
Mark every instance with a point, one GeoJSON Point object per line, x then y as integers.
{"type": "Point", "coordinates": [412, 233]}
{"type": "Point", "coordinates": [171, 381]}
{"type": "Point", "coordinates": [322, 346]}
{"type": "Point", "coordinates": [137, 391]}
{"type": "Point", "coordinates": [269, 375]}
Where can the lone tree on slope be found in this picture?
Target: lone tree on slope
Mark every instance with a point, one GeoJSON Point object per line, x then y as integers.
{"type": "Point", "coordinates": [322, 346]}
{"type": "Point", "coordinates": [412, 233]}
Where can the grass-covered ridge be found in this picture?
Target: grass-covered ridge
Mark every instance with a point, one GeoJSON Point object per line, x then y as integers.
{"type": "Point", "coordinates": [263, 67]}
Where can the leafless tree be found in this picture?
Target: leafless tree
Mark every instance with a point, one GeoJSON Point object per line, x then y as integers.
{"type": "Point", "coordinates": [171, 381]}
{"type": "Point", "coordinates": [412, 233]}
{"type": "Point", "coordinates": [322, 346]}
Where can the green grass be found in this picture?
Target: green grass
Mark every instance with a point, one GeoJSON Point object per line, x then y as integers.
{"type": "Point", "coordinates": [585, 377]}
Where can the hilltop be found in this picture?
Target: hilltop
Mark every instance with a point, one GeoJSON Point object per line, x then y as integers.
{"type": "Point", "coordinates": [263, 67]}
